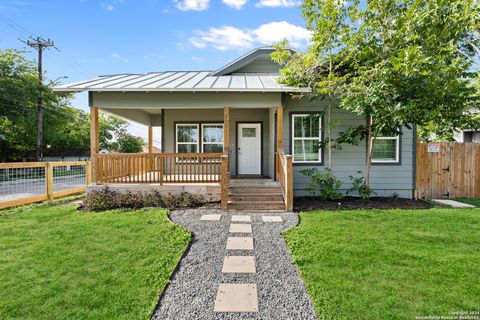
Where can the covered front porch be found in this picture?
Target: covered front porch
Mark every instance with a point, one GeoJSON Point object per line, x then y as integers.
{"type": "Point", "coordinates": [202, 149]}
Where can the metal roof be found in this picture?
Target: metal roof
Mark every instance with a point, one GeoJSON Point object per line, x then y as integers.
{"type": "Point", "coordinates": [189, 81]}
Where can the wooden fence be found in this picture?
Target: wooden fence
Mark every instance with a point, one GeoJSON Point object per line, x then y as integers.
{"type": "Point", "coordinates": [448, 170]}
{"type": "Point", "coordinates": [28, 182]}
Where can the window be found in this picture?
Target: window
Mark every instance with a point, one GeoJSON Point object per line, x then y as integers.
{"type": "Point", "coordinates": [212, 138]}
{"type": "Point", "coordinates": [187, 138]}
{"type": "Point", "coordinates": [306, 138]}
{"type": "Point", "coordinates": [386, 150]}
{"type": "Point", "coordinates": [249, 132]}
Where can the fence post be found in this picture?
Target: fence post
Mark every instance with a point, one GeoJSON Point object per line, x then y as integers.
{"type": "Point", "coordinates": [88, 172]}
{"type": "Point", "coordinates": [49, 180]}
{"type": "Point", "coordinates": [224, 183]}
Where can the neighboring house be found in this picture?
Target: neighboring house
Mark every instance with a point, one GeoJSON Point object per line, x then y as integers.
{"type": "Point", "coordinates": [469, 135]}
{"type": "Point", "coordinates": [241, 111]}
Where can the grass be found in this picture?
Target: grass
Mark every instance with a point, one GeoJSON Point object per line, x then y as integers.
{"type": "Point", "coordinates": [57, 263]}
{"type": "Point", "coordinates": [389, 264]}
{"type": "Point", "coordinates": [472, 201]}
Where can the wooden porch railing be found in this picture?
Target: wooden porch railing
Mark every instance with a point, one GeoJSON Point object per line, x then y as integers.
{"type": "Point", "coordinates": [285, 178]}
{"type": "Point", "coordinates": [159, 168]}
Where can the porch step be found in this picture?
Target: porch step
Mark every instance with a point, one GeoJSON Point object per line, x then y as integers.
{"type": "Point", "coordinates": [255, 194]}
{"type": "Point", "coordinates": [273, 196]}
{"type": "Point", "coordinates": [256, 205]}
{"type": "Point", "coordinates": [254, 189]}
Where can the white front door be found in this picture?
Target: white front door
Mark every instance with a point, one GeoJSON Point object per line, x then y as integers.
{"type": "Point", "coordinates": [249, 148]}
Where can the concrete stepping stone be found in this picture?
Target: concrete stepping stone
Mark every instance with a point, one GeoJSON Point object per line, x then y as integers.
{"type": "Point", "coordinates": [272, 219]}
{"type": "Point", "coordinates": [211, 217]}
{"type": "Point", "coordinates": [240, 218]}
{"type": "Point", "coordinates": [240, 228]}
{"type": "Point", "coordinates": [240, 243]}
{"type": "Point", "coordinates": [235, 297]}
{"type": "Point", "coordinates": [239, 264]}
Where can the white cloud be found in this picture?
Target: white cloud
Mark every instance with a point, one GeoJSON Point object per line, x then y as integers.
{"type": "Point", "coordinates": [274, 32]}
{"type": "Point", "coordinates": [277, 3]}
{"type": "Point", "coordinates": [195, 5]}
{"type": "Point", "coordinates": [231, 38]}
{"type": "Point", "coordinates": [224, 38]}
{"type": "Point", "coordinates": [197, 59]}
{"type": "Point", "coordinates": [197, 43]}
{"type": "Point", "coordinates": [236, 4]}
{"type": "Point", "coordinates": [116, 56]}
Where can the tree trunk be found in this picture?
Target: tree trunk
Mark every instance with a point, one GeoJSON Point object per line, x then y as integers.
{"type": "Point", "coordinates": [370, 143]}
{"type": "Point", "coordinates": [329, 123]}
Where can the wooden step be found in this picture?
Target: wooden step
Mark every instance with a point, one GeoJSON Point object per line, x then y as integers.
{"type": "Point", "coordinates": [256, 205]}
{"type": "Point", "coordinates": [254, 189]}
{"type": "Point", "coordinates": [274, 196]}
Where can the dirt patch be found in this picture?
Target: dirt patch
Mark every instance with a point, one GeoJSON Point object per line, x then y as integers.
{"type": "Point", "coordinates": [354, 203]}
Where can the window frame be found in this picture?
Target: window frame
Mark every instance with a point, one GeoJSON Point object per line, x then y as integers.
{"type": "Point", "coordinates": [203, 143]}
{"type": "Point", "coordinates": [319, 139]}
{"type": "Point", "coordinates": [177, 143]}
{"type": "Point", "coordinates": [397, 150]}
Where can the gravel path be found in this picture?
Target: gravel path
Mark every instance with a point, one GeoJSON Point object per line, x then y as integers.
{"type": "Point", "coordinates": [192, 291]}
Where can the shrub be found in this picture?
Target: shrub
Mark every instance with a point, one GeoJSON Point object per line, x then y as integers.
{"type": "Point", "coordinates": [182, 200]}
{"type": "Point", "coordinates": [358, 185]}
{"type": "Point", "coordinates": [102, 199]}
{"type": "Point", "coordinates": [108, 199]}
{"type": "Point", "coordinates": [323, 184]}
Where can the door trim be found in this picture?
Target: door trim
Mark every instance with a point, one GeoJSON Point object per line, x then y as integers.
{"type": "Point", "coordinates": [261, 144]}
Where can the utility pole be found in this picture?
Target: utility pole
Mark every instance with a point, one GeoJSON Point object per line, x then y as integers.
{"type": "Point", "coordinates": [40, 44]}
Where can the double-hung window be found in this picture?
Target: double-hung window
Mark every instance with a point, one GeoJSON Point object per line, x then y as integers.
{"type": "Point", "coordinates": [187, 138]}
{"type": "Point", "coordinates": [212, 138]}
{"type": "Point", "coordinates": [306, 138]}
{"type": "Point", "coordinates": [386, 150]}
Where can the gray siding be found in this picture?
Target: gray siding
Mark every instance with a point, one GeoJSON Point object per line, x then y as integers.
{"type": "Point", "coordinates": [173, 116]}
{"type": "Point", "coordinates": [262, 64]}
{"type": "Point", "coordinates": [385, 179]}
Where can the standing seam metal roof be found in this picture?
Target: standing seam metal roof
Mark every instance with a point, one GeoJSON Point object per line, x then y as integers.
{"type": "Point", "coordinates": [181, 81]}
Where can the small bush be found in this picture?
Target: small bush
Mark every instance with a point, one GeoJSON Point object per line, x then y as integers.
{"type": "Point", "coordinates": [182, 200]}
{"type": "Point", "coordinates": [102, 199]}
{"type": "Point", "coordinates": [108, 199]}
{"type": "Point", "coordinates": [323, 184]}
{"type": "Point", "coordinates": [358, 185]}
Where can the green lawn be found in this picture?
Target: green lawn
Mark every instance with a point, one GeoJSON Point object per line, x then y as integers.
{"type": "Point", "coordinates": [57, 263]}
{"type": "Point", "coordinates": [472, 201]}
{"type": "Point", "coordinates": [389, 264]}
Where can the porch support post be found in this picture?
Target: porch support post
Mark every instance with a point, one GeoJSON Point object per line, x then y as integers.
{"type": "Point", "coordinates": [279, 141]}
{"type": "Point", "coordinates": [225, 165]}
{"type": "Point", "coordinates": [150, 139]}
{"type": "Point", "coordinates": [279, 128]}
{"type": "Point", "coordinates": [226, 130]}
{"type": "Point", "coordinates": [94, 141]}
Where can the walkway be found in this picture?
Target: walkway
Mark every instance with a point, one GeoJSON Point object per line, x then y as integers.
{"type": "Point", "coordinates": [238, 267]}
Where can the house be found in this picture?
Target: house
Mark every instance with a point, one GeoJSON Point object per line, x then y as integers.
{"type": "Point", "coordinates": [469, 135]}
{"type": "Point", "coordinates": [219, 127]}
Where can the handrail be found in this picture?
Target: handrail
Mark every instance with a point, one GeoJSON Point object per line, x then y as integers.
{"type": "Point", "coordinates": [285, 177]}
{"type": "Point", "coordinates": [158, 168]}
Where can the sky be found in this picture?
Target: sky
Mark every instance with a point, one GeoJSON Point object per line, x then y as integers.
{"type": "Point", "coordinates": [99, 37]}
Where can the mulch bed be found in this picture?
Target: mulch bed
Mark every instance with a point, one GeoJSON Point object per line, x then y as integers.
{"type": "Point", "coordinates": [354, 203]}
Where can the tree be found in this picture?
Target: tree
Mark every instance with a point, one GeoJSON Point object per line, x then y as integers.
{"type": "Point", "coordinates": [66, 129]}
{"type": "Point", "coordinates": [319, 68]}
{"type": "Point", "coordinates": [402, 62]}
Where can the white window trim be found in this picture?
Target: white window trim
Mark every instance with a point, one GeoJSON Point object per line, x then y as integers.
{"type": "Point", "coordinates": [319, 139]}
{"type": "Point", "coordinates": [212, 124]}
{"type": "Point", "coordinates": [180, 143]}
{"type": "Point", "coordinates": [397, 150]}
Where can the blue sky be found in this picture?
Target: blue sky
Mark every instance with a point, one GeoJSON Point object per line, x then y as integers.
{"type": "Point", "coordinates": [135, 36]}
